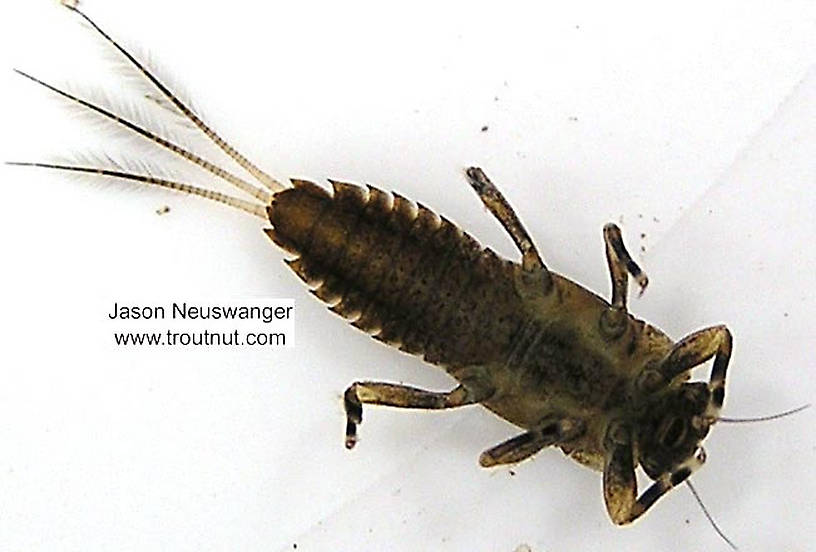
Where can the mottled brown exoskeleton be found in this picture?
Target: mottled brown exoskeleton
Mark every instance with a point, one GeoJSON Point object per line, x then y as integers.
{"type": "Point", "coordinates": [569, 368]}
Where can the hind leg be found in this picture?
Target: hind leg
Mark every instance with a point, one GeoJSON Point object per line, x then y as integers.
{"type": "Point", "coordinates": [501, 209]}
{"type": "Point", "coordinates": [403, 396]}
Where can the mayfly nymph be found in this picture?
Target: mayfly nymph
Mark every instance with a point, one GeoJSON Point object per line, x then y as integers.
{"type": "Point", "coordinates": [571, 369]}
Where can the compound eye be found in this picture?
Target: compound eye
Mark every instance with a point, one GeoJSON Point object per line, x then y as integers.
{"type": "Point", "coordinates": [674, 434]}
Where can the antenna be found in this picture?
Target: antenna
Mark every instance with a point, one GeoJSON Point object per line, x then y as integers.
{"type": "Point", "coordinates": [764, 418]}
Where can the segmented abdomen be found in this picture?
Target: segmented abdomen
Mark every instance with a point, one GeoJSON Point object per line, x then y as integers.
{"type": "Point", "coordinates": [399, 272]}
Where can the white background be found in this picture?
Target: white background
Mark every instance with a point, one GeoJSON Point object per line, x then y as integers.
{"type": "Point", "coordinates": [692, 124]}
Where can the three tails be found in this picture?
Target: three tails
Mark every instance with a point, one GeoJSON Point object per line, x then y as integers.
{"type": "Point", "coordinates": [262, 192]}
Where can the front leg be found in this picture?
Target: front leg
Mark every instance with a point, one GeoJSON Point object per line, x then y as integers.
{"type": "Point", "coordinates": [697, 348]}
{"type": "Point", "coordinates": [403, 396]}
{"type": "Point", "coordinates": [692, 350]}
{"type": "Point", "coordinates": [619, 482]}
{"type": "Point", "coordinates": [494, 200]}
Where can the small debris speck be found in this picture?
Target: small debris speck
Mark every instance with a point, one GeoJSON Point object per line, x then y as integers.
{"type": "Point", "coordinates": [655, 219]}
{"type": "Point", "coordinates": [512, 473]}
{"type": "Point", "coordinates": [785, 315]}
{"type": "Point", "coordinates": [573, 118]}
{"type": "Point", "coordinates": [643, 235]}
{"type": "Point", "coordinates": [484, 128]}
{"type": "Point", "coordinates": [163, 210]}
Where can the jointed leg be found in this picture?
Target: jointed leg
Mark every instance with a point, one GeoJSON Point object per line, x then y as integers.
{"type": "Point", "coordinates": [402, 396]}
{"type": "Point", "coordinates": [620, 485]}
{"type": "Point", "coordinates": [620, 262]}
{"type": "Point", "coordinates": [501, 209]}
{"type": "Point", "coordinates": [551, 432]}
{"type": "Point", "coordinates": [695, 349]}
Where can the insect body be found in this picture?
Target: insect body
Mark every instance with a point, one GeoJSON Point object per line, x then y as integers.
{"type": "Point", "coordinates": [535, 348]}
{"type": "Point", "coordinates": [569, 368]}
